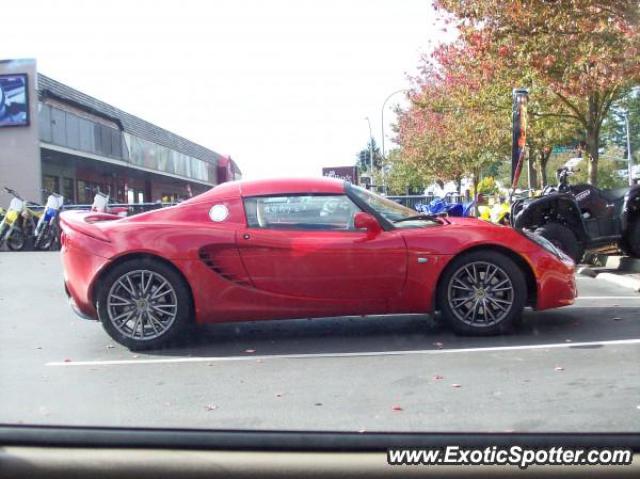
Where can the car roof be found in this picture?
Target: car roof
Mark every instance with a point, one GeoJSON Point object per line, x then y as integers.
{"type": "Point", "coordinates": [274, 187]}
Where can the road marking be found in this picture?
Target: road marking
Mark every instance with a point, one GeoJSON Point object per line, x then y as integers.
{"type": "Point", "coordinates": [609, 297]}
{"type": "Point", "coordinates": [118, 362]}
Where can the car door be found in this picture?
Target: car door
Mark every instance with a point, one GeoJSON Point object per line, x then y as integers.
{"type": "Point", "coordinates": [306, 246]}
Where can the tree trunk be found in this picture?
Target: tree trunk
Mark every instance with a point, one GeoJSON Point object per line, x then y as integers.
{"type": "Point", "coordinates": [593, 138]}
{"type": "Point", "coordinates": [593, 156]}
{"type": "Point", "coordinates": [476, 181]}
{"type": "Point", "coordinates": [543, 159]}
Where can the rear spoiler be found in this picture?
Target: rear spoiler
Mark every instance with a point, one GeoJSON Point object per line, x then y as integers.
{"type": "Point", "coordinates": [84, 222]}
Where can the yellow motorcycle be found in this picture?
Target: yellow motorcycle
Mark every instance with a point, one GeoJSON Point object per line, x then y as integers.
{"type": "Point", "coordinates": [498, 213]}
{"type": "Point", "coordinates": [18, 223]}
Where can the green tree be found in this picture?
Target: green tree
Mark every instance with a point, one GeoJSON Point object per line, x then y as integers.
{"type": "Point", "coordinates": [585, 52]}
{"type": "Point", "coordinates": [363, 161]}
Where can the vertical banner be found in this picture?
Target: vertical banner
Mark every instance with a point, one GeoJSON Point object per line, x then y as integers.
{"type": "Point", "coordinates": [519, 135]}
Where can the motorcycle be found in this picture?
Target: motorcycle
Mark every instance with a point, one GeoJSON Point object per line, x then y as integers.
{"type": "Point", "coordinates": [18, 222]}
{"type": "Point", "coordinates": [448, 205]}
{"type": "Point", "coordinates": [500, 212]}
{"type": "Point", "coordinates": [47, 232]}
{"type": "Point", "coordinates": [101, 205]}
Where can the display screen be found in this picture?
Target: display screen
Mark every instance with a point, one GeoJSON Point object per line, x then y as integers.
{"type": "Point", "coordinates": [14, 100]}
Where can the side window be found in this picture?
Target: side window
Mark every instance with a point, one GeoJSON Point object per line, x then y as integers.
{"type": "Point", "coordinates": [305, 212]}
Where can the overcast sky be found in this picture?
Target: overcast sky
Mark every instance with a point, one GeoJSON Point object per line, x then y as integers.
{"type": "Point", "coordinates": [282, 86]}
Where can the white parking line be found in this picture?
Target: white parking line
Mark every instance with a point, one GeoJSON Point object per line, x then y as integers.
{"type": "Point", "coordinates": [608, 297]}
{"type": "Point", "coordinates": [119, 362]}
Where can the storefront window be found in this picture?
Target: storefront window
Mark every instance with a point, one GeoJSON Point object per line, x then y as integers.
{"type": "Point", "coordinates": [156, 157]}
{"type": "Point", "coordinates": [50, 183]}
{"type": "Point", "coordinates": [67, 190]}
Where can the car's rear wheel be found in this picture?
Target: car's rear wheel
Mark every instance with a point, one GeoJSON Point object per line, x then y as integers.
{"type": "Point", "coordinates": [563, 238]}
{"type": "Point", "coordinates": [144, 304]}
{"type": "Point", "coordinates": [482, 293]}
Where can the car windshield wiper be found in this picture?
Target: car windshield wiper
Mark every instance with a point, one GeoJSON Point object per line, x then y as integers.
{"type": "Point", "coordinates": [417, 217]}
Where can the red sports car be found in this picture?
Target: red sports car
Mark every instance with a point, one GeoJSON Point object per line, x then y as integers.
{"type": "Point", "coordinates": [272, 249]}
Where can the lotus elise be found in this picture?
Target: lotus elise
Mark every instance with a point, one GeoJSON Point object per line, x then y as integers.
{"type": "Point", "coordinates": [283, 249]}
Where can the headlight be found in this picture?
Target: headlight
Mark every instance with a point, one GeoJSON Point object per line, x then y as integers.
{"type": "Point", "coordinates": [545, 243]}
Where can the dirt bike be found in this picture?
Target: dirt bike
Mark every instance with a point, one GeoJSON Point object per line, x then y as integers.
{"type": "Point", "coordinates": [47, 231]}
{"type": "Point", "coordinates": [101, 205]}
{"type": "Point", "coordinates": [18, 223]}
{"type": "Point", "coordinates": [500, 212]}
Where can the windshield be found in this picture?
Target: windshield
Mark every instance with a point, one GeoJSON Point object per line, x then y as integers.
{"type": "Point", "coordinates": [389, 209]}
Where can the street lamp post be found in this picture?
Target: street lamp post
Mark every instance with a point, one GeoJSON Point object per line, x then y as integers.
{"type": "Point", "coordinates": [384, 155]}
{"type": "Point", "coordinates": [370, 152]}
{"type": "Point", "coordinates": [629, 156]}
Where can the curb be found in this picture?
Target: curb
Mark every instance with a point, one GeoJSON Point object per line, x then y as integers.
{"type": "Point", "coordinates": [586, 271]}
{"type": "Point", "coordinates": [620, 280]}
{"type": "Point", "coordinates": [622, 263]}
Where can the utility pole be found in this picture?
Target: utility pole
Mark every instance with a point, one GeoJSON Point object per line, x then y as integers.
{"type": "Point", "coordinates": [370, 152]}
{"type": "Point", "coordinates": [629, 156]}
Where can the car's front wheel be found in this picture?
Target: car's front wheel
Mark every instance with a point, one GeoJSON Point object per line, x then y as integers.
{"type": "Point", "coordinates": [144, 304]}
{"type": "Point", "coordinates": [482, 293]}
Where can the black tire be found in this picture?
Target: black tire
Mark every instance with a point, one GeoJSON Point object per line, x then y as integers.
{"type": "Point", "coordinates": [184, 310]}
{"type": "Point", "coordinates": [37, 244]}
{"type": "Point", "coordinates": [17, 240]}
{"type": "Point", "coordinates": [46, 239]}
{"type": "Point", "coordinates": [563, 238]}
{"type": "Point", "coordinates": [633, 238]}
{"type": "Point", "coordinates": [503, 319]}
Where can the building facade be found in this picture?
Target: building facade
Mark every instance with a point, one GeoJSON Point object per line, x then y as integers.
{"type": "Point", "coordinates": [63, 140]}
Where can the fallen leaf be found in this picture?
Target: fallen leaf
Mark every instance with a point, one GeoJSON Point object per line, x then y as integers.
{"type": "Point", "coordinates": [318, 404]}
{"type": "Point", "coordinates": [567, 340]}
{"type": "Point", "coordinates": [136, 356]}
{"type": "Point", "coordinates": [559, 368]}
{"type": "Point", "coordinates": [39, 347]}
{"type": "Point", "coordinates": [617, 319]}
{"type": "Point", "coordinates": [438, 344]}
{"type": "Point", "coordinates": [437, 377]}
{"type": "Point", "coordinates": [361, 431]}
{"type": "Point", "coordinates": [67, 360]}
{"type": "Point", "coordinates": [396, 408]}
{"type": "Point", "coordinates": [454, 385]}
{"type": "Point", "coordinates": [110, 346]}
{"type": "Point", "coordinates": [279, 395]}
{"type": "Point", "coordinates": [249, 350]}
{"type": "Point", "coordinates": [211, 407]}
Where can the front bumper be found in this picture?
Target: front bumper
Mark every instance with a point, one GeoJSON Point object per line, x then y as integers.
{"type": "Point", "coordinates": [556, 280]}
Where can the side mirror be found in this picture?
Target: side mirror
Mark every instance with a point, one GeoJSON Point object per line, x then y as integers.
{"type": "Point", "coordinates": [367, 222]}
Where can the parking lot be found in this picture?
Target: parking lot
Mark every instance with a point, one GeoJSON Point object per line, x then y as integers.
{"type": "Point", "coordinates": [562, 370]}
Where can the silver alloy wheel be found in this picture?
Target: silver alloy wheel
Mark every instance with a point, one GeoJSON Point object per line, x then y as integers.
{"type": "Point", "coordinates": [480, 294]}
{"type": "Point", "coordinates": [142, 305]}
